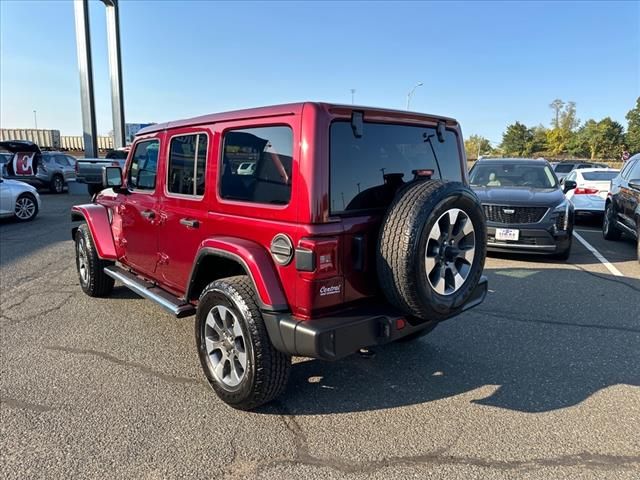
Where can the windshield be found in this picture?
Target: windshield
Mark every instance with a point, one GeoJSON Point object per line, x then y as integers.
{"type": "Point", "coordinates": [367, 171]}
{"type": "Point", "coordinates": [513, 175]}
{"type": "Point", "coordinates": [600, 176]}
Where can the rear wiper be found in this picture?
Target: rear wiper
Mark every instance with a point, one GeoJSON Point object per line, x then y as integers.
{"type": "Point", "coordinates": [427, 139]}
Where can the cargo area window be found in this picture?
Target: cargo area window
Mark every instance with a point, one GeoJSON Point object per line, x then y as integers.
{"type": "Point", "coordinates": [142, 174]}
{"type": "Point", "coordinates": [256, 165]}
{"type": "Point", "coordinates": [187, 164]}
{"type": "Point", "coordinates": [367, 171]}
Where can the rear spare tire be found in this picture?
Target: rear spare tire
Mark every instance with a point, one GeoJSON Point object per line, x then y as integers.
{"type": "Point", "coordinates": [432, 248]}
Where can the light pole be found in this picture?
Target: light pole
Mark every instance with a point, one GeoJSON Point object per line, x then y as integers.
{"type": "Point", "coordinates": [35, 119]}
{"type": "Point", "coordinates": [410, 94]}
{"type": "Point", "coordinates": [353, 93]}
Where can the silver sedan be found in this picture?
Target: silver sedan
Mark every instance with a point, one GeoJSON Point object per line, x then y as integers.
{"type": "Point", "coordinates": [19, 200]}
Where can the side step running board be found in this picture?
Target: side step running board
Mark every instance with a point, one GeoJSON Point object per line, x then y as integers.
{"type": "Point", "coordinates": [175, 305]}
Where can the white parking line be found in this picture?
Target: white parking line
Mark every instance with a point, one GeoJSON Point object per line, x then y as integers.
{"type": "Point", "coordinates": [598, 255]}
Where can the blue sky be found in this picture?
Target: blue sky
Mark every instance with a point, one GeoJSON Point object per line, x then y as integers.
{"type": "Point", "coordinates": [485, 63]}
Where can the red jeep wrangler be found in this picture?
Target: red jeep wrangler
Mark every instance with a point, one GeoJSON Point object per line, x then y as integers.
{"type": "Point", "coordinates": [307, 229]}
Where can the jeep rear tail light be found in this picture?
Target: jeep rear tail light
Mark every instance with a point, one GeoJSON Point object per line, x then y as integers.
{"type": "Point", "coordinates": [318, 255]}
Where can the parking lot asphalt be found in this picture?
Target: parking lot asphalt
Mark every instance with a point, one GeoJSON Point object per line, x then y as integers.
{"type": "Point", "coordinates": [540, 381]}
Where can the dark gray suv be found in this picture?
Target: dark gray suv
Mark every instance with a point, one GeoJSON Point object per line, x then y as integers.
{"type": "Point", "coordinates": [622, 209]}
{"type": "Point", "coordinates": [525, 208]}
{"type": "Point", "coordinates": [52, 170]}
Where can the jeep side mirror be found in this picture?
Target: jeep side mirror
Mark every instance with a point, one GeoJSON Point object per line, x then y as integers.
{"type": "Point", "coordinates": [569, 185]}
{"type": "Point", "coordinates": [111, 177]}
{"type": "Point", "coordinates": [635, 184]}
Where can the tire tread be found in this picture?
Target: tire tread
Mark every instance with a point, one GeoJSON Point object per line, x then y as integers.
{"type": "Point", "coordinates": [100, 284]}
{"type": "Point", "coordinates": [271, 366]}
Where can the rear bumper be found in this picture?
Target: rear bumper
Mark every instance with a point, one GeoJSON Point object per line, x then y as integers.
{"type": "Point", "coordinates": [91, 179]}
{"type": "Point", "coordinates": [335, 337]}
{"type": "Point", "coordinates": [588, 204]}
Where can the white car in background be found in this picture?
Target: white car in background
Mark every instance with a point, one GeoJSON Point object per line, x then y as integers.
{"type": "Point", "coordinates": [18, 199]}
{"type": "Point", "coordinates": [587, 188]}
{"type": "Point", "coordinates": [246, 168]}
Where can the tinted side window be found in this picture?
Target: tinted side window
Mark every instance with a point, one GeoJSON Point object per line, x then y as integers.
{"type": "Point", "coordinates": [61, 160]}
{"type": "Point", "coordinates": [187, 164]}
{"type": "Point", "coordinates": [142, 174]}
{"type": "Point", "coordinates": [564, 167]}
{"type": "Point", "coordinates": [624, 173]}
{"type": "Point", "coordinates": [635, 171]}
{"type": "Point", "coordinates": [268, 151]}
{"type": "Point", "coordinates": [367, 171]}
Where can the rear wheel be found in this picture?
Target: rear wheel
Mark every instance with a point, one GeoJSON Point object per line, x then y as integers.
{"type": "Point", "coordinates": [432, 248]}
{"type": "Point", "coordinates": [610, 230]}
{"type": "Point", "coordinates": [26, 207]}
{"type": "Point", "coordinates": [93, 280]}
{"type": "Point", "coordinates": [57, 184]}
{"type": "Point", "coordinates": [238, 359]}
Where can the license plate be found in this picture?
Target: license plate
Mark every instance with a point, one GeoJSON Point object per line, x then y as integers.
{"type": "Point", "coordinates": [507, 234]}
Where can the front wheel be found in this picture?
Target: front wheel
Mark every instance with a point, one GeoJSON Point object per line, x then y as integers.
{"type": "Point", "coordinates": [94, 189]}
{"type": "Point", "coordinates": [26, 207]}
{"type": "Point", "coordinates": [93, 281]}
{"type": "Point", "coordinates": [238, 359]}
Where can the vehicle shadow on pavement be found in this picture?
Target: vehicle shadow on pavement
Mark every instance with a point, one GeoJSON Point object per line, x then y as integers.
{"type": "Point", "coordinates": [543, 340]}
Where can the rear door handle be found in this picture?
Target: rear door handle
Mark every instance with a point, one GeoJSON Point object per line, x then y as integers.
{"type": "Point", "coordinates": [148, 214]}
{"type": "Point", "coordinates": [189, 222]}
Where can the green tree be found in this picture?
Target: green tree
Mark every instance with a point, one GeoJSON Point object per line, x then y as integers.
{"type": "Point", "coordinates": [517, 139]}
{"type": "Point", "coordinates": [538, 143]}
{"type": "Point", "coordinates": [601, 139]}
{"type": "Point", "coordinates": [477, 145]}
{"type": "Point", "coordinates": [632, 139]}
{"type": "Point", "coordinates": [564, 125]}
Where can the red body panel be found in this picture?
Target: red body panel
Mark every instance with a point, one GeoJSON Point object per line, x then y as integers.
{"type": "Point", "coordinates": [97, 219]}
{"type": "Point", "coordinates": [258, 263]}
{"type": "Point", "coordinates": [165, 250]}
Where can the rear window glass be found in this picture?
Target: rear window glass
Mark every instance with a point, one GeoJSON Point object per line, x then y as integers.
{"type": "Point", "coordinates": [256, 164]}
{"type": "Point", "coordinates": [366, 172]}
{"type": "Point", "coordinates": [599, 176]}
{"type": "Point", "coordinates": [564, 167]}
